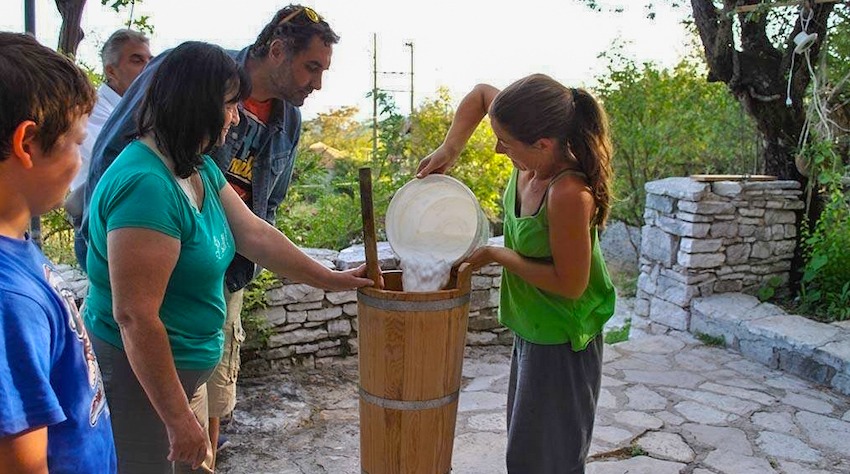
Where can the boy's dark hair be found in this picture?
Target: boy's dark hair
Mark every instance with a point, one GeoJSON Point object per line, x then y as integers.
{"type": "Point", "coordinates": [41, 85]}
{"type": "Point", "coordinates": [296, 32]}
{"type": "Point", "coordinates": [185, 101]}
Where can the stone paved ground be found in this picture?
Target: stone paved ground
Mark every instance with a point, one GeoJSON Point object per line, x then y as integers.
{"type": "Point", "coordinates": [669, 404]}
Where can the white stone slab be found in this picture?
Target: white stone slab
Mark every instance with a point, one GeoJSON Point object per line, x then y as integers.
{"type": "Point", "coordinates": [672, 378]}
{"type": "Point", "coordinates": [734, 463]}
{"type": "Point", "coordinates": [721, 402]}
{"type": "Point", "coordinates": [722, 438]}
{"type": "Point", "coordinates": [785, 446]}
{"type": "Point", "coordinates": [807, 403]}
{"type": "Point", "coordinates": [780, 422]}
{"type": "Point", "coordinates": [475, 401]}
{"type": "Point", "coordinates": [636, 465]}
{"type": "Point", "coordinates": [825, 432]}
{"type": "Point", "coordinates": [642, 398]}
{"type": "Point", "coordinates": [495, 422]}
{"type": "Point", "coordinates": [699, 413]}
{"type": "Point", "coordinates": [473, 453]}
{"type": "Point", "coordinates": [667, 446]}
{"type": "Point", "coordinates": [754, 395]}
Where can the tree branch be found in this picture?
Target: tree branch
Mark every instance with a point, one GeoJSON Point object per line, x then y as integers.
{"type": "Point", "coordinates": [70, 34]}
{"type": "Point", "coordinates": [715, 30]}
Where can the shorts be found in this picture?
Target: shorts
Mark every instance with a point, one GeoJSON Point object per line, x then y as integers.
{"type": "Point", "coordinates": [221, 386]}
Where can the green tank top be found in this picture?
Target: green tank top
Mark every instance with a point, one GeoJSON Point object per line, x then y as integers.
{"type": "Point", "coordinates": [539, 316]}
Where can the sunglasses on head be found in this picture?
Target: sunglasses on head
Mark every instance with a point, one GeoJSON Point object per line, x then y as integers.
{"type": "Point", "coordinates": [307, 11]}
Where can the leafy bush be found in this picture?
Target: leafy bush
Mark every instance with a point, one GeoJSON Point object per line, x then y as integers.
{"type": "Point", "coordinates": [323, 205]}
{"type": "Point", "coordinates": [257, 330]}
{"type": "Point", "coordinates": [57, 236]}
{"type": "Point", "coordinates": [825, 287]}
{"type": "Point", "coordinates": [669, 123]}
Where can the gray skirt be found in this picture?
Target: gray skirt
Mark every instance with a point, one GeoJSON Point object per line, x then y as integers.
{"type": "Point", "coordinates": [141, 440]}
{"type": "Point", "coordinates": [551, 406]}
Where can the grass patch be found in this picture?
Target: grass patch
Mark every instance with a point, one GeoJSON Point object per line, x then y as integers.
{"type": "Point", "coordinates": [619, 335]}
{"type": "Point", "coordinates": [625, 282]}
{"type": "Point", "coordinates": [709, 340]}
{"type": "Point", "coordinates": [636, 450]}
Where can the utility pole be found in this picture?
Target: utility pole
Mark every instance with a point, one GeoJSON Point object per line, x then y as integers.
{"type": "Point", "coordinates": [29, 26]}
{"type": "Point", "coordinates": [29, 16]}
{"type": "Point", "coordinates": [375, 89]}
{"type": "Point", "coordinates": [409, 44]}
{"type": "Point", "coordinates": [374, 96]}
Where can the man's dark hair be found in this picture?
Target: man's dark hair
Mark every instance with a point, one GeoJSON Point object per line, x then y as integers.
{"type": "Point", "coordinates": [296, 32]}
{"type": "Point", "coordinates": [41, 85]}
{"type": "Point", "coordinates": [184, 104]}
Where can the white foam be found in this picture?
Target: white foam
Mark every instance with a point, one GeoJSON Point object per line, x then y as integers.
{"type": "Point", "coordinates": [432, 224]}
{"type": "Point", "coordinates": [427, 258]}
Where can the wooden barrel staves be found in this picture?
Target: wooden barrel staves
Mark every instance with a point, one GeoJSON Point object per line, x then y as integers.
{"type": "Point", "coordinates": [411, 356]}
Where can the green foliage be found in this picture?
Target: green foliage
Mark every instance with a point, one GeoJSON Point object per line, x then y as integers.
{"type": "Point", "coordinates": [257, 330]}
{"type": "Point", "coordinates": [825, 286]}
{"type": "Point", "coordinates": [323, 205]}
{"type": "Point", "coordinates": [768, 289]}
{"type": "Point", "coordinates": [636, 450]}
{"type": "Point", "coordinates": [669, 123]}
{"type": "Point", "coordinates": [619, 335]}
{"type": "Point", "coordinates": [479, 167]}
{"type": "Point", "coordinates": [57, 236]}
{"type": "Point", "coordinates": [322, 208]}
{"type": "Point", "coordinates": [95, 77]}
{"type": "Point", "coordinates": [331, 221]}
{"type": "Point", "coordinates": [709, 340]}
{"type": "Point", "coordinates": [624, 282]}
{"type": "Point", "coordinates": [142, 23]}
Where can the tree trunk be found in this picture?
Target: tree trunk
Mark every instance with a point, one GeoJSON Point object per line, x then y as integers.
{"type": "Point", "coordinates": [70, 34]}
{"type": "Point", "coordinates": [757, 74]}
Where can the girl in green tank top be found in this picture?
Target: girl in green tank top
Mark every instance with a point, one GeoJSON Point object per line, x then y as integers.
{"type": "Point", "coordinates": [556, 294]}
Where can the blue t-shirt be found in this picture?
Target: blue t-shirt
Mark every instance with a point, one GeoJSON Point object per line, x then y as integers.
{"type": "Point", "coordinates": [48, 371]}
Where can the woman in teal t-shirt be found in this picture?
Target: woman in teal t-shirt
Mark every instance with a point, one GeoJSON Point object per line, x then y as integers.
{"type": "Point", "coordinates": [555, 294]}
{"type": "Point", "coordinates": [164, 226]}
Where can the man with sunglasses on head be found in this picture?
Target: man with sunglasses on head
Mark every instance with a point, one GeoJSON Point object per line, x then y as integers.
{"type": "Point", "coordinates": [285, 64]}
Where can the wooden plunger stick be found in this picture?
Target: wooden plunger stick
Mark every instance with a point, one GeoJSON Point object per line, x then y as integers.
{"type": "Point", "coordinates": [373, 269]}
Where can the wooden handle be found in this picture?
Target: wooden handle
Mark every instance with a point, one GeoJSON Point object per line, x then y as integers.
{"type": "Point", "coordinates": [464, 277]}
{"type": "Point", "coordinates": [370, 244]}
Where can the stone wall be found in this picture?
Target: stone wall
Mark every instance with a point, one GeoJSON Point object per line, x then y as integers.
{"type": "Point", "coordinates": [705, 238]}
{"type": "Point", "coordinates": [310, 326]}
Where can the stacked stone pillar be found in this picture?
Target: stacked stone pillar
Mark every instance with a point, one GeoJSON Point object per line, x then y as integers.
{"type": "Point", "coordinates": [703, 238]}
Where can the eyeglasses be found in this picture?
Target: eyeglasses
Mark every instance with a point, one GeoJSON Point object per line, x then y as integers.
{"type": "Point", "coordinates": [307, 11]}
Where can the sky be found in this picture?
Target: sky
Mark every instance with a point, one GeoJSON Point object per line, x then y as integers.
{"type": "Point", "coordinates": [456, 43]}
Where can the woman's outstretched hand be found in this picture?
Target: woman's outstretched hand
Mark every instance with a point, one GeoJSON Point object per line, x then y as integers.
{"type": "Point", "coordinates": [349, 279]}
{"type": "Point", "coordinates": [439, 161]}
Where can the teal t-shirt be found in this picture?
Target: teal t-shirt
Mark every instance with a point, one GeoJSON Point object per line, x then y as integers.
{"type": "Point", "coordinates": [139, 191]}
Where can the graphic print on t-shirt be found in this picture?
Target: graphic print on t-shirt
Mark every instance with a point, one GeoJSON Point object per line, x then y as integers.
{"type": "Point", "coordinates": [75, 322]}
{"type": "Point", "coordinates": [240, 171]}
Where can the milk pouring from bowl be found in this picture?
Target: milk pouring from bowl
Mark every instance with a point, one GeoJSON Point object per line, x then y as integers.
{"type": "Point", "coordinates": [432, 224]}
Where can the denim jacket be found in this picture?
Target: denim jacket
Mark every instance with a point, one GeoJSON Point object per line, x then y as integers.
{"type": "Point", "coordinates": [273, 162]}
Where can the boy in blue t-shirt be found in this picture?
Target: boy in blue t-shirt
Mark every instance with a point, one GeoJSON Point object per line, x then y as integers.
{"type": "Point", "coordinates": [53, 413]}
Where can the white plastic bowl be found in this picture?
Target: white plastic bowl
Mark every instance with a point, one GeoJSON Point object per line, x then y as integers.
{"type": "Point", "coordinates": [437, 213]}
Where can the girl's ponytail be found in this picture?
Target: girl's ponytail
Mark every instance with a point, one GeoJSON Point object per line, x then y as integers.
{"type": "Point", "coordinates": [538, 106]}
{"type": "Point", "coordinates": [589, 141]}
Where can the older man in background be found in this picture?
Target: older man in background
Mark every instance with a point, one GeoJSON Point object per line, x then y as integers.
{"type": "Point", "coordinates": [124, 55]}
